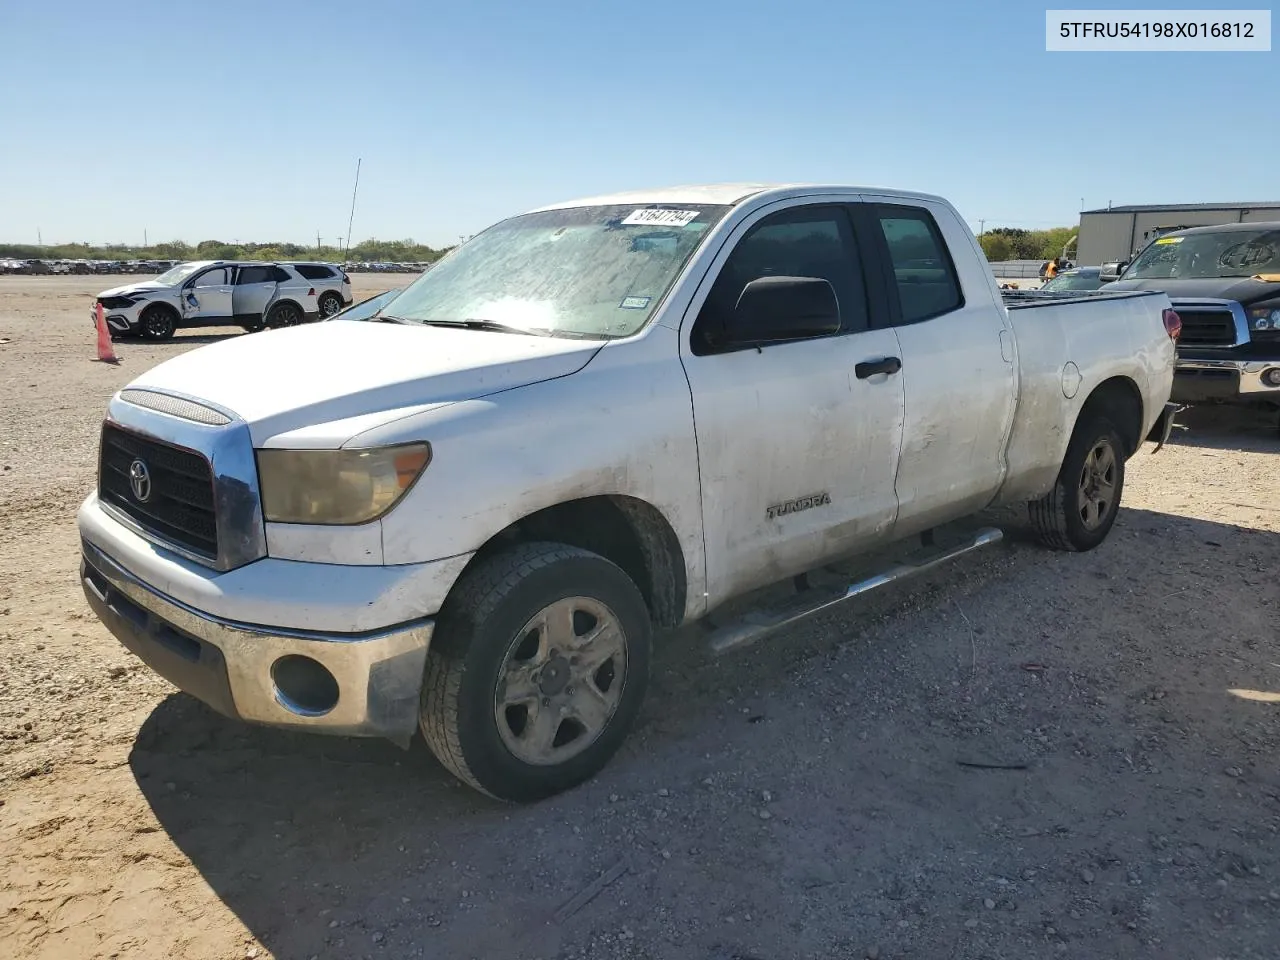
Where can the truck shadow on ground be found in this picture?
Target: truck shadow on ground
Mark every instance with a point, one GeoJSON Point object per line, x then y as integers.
{"type": "Point", "coordinates": [1253, 429]}
{"type": "Point", "coordinates": [341, 848]}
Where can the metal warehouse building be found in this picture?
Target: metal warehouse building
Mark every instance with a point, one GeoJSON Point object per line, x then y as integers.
{"type": "Point", "coordinates": [1114, 233]}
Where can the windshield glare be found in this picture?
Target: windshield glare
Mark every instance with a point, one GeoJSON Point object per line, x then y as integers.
{"type": "Point", "coordinates": [587, 271]}
{"type": "Point", "coordinates": [1231, 253]}
{"type": "Point", "coordinates": [179, 273]}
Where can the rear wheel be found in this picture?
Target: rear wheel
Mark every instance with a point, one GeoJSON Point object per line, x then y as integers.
{"type": "Point", "coordinates": [283, 315]}
{"type": "Point", "coordinates": [1078, 513]}
{"type": "Point", "coordinates": [157, 323]}
{"type": "Point", "coordinates": [329, 304]}
{"type": "Point", "coordinates": [536, 671]}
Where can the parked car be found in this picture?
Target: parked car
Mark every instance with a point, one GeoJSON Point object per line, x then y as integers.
{"type": "Point", "coordinates": [1224, 282]}
{"type": "Point", "coordinates": [1077, 278]}
{"type": "Point", "coordinates": [333, 286]}
{"type": "Point", "coordinates": [604, 417]}
{"type": "Point", "coordinates": [209, 293]}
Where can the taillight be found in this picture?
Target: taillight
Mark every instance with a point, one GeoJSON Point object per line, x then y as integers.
{"type": "Point", "coordinates": [1172, 324]}
{"type": "Point", "coordinates": [312, 293]}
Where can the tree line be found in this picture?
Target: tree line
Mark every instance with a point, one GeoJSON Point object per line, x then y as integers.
{"type": "Point", "coordinates": [385, 251]}
{"type": "Point", "coordinates": [1011, 243]}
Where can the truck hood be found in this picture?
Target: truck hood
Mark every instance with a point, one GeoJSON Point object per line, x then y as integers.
{"type": "Point", "coordinates": [1240, 289]}
{"type": "Point", "coordinates": [284, 380]}
{"type": "Point", "coordinates": [146, 286]}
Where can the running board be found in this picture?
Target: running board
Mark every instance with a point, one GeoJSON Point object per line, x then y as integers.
{"type": "Point", "coordinates": [759, 624]}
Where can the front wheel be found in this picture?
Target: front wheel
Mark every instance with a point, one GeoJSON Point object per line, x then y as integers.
{"type": "Point", "coordinates": [1078, 513]}
{"type": "Point", "coordinates": [157, 323]}
{"type": "Point", "coordinates": [536, 671]}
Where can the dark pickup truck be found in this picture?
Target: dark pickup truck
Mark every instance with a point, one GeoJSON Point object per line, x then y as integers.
{"type": "Point", "coordinates": [1224, 282]}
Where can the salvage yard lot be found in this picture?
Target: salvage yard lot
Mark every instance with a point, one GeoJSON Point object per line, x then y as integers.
{"type": "Point", "coordinates": [810, 797]}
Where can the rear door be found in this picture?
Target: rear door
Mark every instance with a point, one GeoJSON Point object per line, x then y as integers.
{"type": "Point", "coordinates": [797, 446]}
{"type": "Point", "coordinates": [254, 290]}
{"type": "Point", "coordinates": [957, 361]}
{"type": "Point", "coordinates": [207, 296]}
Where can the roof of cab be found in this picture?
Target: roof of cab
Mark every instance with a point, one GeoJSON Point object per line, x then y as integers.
{"type": "Point", "coordinates": [726, 193]}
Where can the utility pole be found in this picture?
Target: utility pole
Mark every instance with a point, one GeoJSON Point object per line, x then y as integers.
{"type": "Point", "coordinates": [982, 227]}
{"type": "Point", "coordinates": [39, 238]}
{"type": "Point", "coordinates": [351, 219]}
{"type": "Point", "coordinates": [144, 237]}
{"type": "Point", "coordinates": [318, 243]}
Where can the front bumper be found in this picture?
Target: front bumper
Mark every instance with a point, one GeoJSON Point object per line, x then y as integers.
{"type": "Point", "coordinates": [232, 666]}
{"type": "Point", "coordinates": [1228, 381]}
{"type": "Point", "coordinates": [120, 320]}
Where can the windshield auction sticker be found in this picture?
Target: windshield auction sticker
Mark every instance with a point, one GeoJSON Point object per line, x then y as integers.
{"type": "Point", "coordinates": [659, 217]}
{"type": "Point", "coordinates": [1154, 31]}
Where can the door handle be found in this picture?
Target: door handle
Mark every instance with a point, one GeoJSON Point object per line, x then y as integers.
{"type": "Point", "coordinates": [872, 367]}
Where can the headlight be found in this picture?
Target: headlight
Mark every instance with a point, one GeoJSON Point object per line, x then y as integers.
{"type": "Point", "coordinates": [337, 486]}
{"type": "Point", "coordinates": [1266, 317]}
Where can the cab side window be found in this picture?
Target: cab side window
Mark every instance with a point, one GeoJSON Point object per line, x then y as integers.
{"type": "Point", "coordinates": [217, 277]}
{"type": "Point", "coordinates": [924, 275]}
{"type": "Point", "coordinates": [248, 275]}
{"type": "Point", "coordinates": [800, 242]}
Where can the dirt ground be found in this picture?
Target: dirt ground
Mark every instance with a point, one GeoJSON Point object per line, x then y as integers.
{"type": "Point", "coordinates": [805, 798]}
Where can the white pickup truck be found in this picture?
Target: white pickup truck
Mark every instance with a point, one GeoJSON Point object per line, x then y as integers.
{"type": "Point", "coordinates": [467, 513]}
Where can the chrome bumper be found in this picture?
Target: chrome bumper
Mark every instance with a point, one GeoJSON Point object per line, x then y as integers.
{"type": "Point", "coordinates": [1227, 379]}
{"type": "Point", "coordinates": [232, 666]}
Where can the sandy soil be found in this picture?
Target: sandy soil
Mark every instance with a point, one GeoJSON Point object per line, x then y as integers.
{"type": "Point", "coordinates": [806, 798]}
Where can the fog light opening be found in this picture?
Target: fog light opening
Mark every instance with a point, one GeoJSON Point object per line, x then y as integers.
{"type": "Point", "coordinates": [304, 686]}
{"type": "Point", "coordinates": [1271, 377]}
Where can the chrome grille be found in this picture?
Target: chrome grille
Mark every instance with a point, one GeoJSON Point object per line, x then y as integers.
{"type": "Point", "coordinates": [179, 506]}
{"type": "Point", "coordinates": [1206, 328]}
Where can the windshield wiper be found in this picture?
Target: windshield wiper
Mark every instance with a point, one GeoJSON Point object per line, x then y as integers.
{"type": "Point", "coordinates": [492, 325]}
{"type": "Point", "coordinates": [496, 327]}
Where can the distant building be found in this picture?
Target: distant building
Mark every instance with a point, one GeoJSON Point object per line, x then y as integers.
{"type": "Point", "coordinates": [1115, 233]}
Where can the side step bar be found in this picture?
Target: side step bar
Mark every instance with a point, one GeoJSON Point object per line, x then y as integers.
{"type": "Point", "coordinates": [759, 624]}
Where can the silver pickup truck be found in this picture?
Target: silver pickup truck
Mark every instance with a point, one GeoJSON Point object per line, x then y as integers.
{"type": "Point", "coordinates": [468, 512]}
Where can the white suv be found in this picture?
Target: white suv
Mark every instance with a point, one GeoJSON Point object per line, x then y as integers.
{"type": "Point", "coordinates": [333, 286]}
{"type": "Point", "coordinates": [211, 293]}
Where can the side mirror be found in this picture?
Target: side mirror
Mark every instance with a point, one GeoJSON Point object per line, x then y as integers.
{"type": "Point", "coordinates": [772, 309]}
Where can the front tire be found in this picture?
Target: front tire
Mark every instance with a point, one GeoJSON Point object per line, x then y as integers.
{"type": "Point", "coordinates": [157, 323]}
{"type": "Point", "coordinates": [1078, 513]}
{"type": "Point", "coordinates": [536, 671]}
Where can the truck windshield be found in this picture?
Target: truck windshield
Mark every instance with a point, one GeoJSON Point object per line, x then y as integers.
{"type": "Point", "coordinates": [176, 275]}
{"type": "Point", "coordinates": [1230, 253]}
{"type": "Point", "coordinates": [596, 271]}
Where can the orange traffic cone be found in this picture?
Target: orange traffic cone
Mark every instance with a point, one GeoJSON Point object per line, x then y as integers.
{"type": "Point", "coordinates": [106, 353]}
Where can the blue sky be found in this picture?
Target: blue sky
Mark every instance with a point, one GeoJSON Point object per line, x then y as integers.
{"type": "Point", "coordinates": [243, 120]}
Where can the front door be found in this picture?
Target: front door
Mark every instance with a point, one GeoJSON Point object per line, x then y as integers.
{"type": "Point", "coordinates": [796, 450]}
{"type": "Point", "coordinates": [254, 290]}
{"type": "Point", "coordinates": [207, 296]}
{"type": "Point", "coordinates": [957, 363]}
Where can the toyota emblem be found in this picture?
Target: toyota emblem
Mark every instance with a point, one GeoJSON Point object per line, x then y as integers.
{"type": "Point", "coordinates": [140, 481]}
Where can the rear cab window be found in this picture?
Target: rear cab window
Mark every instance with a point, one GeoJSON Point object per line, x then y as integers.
{"type": "Point", "coordinates": [924, 275]}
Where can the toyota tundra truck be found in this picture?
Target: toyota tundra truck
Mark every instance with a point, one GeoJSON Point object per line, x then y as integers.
{"type": "Point", "coordinates": [468, 513]}
{"type": "Point", "coordinates": [1224, 282]}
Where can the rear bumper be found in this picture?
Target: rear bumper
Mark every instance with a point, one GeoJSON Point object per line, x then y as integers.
{"type": "Point", "coordinates": [232, 666]}
{"type": "Point", "coordinates": [1229, 381]}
